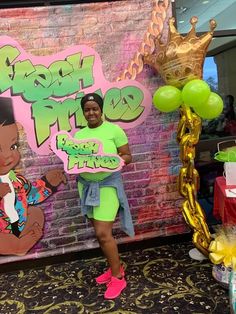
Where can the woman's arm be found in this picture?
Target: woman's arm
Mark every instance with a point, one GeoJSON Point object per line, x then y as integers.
{"type": "Point", "coordinates": [124, 153]}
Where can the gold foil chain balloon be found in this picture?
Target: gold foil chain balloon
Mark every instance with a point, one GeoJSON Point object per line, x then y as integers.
{"type": "Point", "coordinates": [188, 133]}
{"type": "Point", "coordinates": [154, 30]}
{"type": "Point", "coordinates": [179, 61]}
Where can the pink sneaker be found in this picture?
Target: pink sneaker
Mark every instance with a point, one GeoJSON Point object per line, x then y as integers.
{"type": "Point", "coordinates": [106, 277]}
{"type": "Point", "coordinates": [115, 287]}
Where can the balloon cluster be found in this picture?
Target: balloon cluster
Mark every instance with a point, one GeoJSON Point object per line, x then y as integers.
{"type": "Point", "coordinates": [195, 94]}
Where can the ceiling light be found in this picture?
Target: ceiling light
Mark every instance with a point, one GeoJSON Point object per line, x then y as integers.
{"type": "Point", "coordinates": [181, 21]}
{"type": "Point", "coordinates": [181, 9]}
{"type": "Point", "coordinates": [205, 1]}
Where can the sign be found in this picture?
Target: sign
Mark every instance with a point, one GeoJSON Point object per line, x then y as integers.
{"type": "Point", "coordinates": [47, 90]}
{"type": "Point", "coordinates": [84, 155]}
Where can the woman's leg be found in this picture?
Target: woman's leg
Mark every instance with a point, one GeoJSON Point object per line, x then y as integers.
{"type": "Point", "coordinates": [103, 231]}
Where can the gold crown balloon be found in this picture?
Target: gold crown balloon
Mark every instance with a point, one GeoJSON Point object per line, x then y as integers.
{"type": "Point", "coordinates": [181, 58]}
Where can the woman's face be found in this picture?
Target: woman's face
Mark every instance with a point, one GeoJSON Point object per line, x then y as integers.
{"type": "Point", "coordinates": [93, 114]}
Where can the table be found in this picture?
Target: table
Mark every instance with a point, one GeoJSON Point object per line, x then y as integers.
{"type": "Point", "coordinates": [224, 207]}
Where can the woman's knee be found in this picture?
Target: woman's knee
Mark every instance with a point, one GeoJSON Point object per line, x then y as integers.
{"type": "Point", "coordinates": [103, 235]}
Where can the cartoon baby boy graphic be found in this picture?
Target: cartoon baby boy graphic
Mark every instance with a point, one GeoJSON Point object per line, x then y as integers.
{"type": "Point", "coordinates": [21, 223]}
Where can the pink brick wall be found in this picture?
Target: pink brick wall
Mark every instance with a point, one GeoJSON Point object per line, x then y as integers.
{"type": "Point", "coordinates": [115, 30]}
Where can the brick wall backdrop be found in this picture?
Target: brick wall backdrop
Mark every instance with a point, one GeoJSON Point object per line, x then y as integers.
{"type": "Point", "coordinates": [115, 30]}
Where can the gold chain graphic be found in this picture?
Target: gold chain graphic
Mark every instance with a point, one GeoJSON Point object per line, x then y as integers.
{"type": "Point", "coordinates": [154, 30]}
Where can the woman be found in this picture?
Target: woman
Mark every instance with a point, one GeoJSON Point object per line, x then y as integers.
{"type": "Point", "coordinates": [110, 189]}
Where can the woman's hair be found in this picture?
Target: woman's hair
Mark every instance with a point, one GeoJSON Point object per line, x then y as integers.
{"type": "Point", "coordinates": [92, 97]}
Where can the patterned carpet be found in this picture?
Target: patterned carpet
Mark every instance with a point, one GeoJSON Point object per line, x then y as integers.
{"type": "Point", "coordinates": [160, 280]}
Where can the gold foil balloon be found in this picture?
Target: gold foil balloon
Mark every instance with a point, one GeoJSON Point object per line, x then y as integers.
{"type": "Point", "coordinates": [181, 59]}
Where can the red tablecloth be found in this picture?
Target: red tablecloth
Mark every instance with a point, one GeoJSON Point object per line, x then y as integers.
{"type": "Point", "coordinates": [224, 207]}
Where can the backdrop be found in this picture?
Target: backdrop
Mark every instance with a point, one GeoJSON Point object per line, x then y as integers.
{"type": "Point", "coordinates": [115, 31]}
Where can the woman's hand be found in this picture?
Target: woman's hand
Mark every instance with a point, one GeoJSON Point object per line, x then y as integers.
{"type": "Point", "coordinates": [124, 153]}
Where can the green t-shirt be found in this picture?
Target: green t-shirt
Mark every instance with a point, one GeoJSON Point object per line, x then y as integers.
{"type": "Point", "coordinates": [111, 136]}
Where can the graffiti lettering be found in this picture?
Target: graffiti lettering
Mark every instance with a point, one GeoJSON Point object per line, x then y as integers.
{"type": "Point", "coordinates": [48, 112]}
{"type": "Point", "coordinates": [83, 155]}
{"type": "Point", "coordinates": [74, 148]}
{"type": "Point", "coordinates": [7, 55]}
{"type": "Point", "coordinates": [119, 105]}
{"type": "Point", "coordinates": [93, 162]}
{"type": "Point", "coordinates": [123, 104]}
{"type": "Point", "coordinates": [37, 82]}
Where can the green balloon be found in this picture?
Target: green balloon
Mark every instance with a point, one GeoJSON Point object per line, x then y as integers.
{"type": "Point", "coordinates": [195, 93]}
{"type": "Point", "coordinates": [167, 98]}
{"type": "Point", "coordinates": [212, 108]}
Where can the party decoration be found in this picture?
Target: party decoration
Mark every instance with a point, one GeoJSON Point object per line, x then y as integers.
{"type": "Point", "coordinates": [222, 253]}
{"type": "Point", "coordinates": [229, 173]}
{"type": "Point", "coordinates": [189, 130]}
{"type": "Point", "coordinates": [210, 109]}
{"type": "Point", "coordinates": [221, 274]}
{"type": "Point", "coordinates": [83, 156]}
{"type": "Point", "coordinates": [167, 98]}
{"type": "Point", "coordinates": [223, 249]}
{"type": "Point", "coordinates": [195, 93]}
{"type": "Point", "coordinates": [178, 61]}
{"type": "Point", "coordinates": [229, 155]}
{"type": "Point", "coordinates": [181, 59]}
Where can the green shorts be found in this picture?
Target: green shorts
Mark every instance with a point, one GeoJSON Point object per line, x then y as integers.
{"type": "Point", "coordinates": [109, 204]}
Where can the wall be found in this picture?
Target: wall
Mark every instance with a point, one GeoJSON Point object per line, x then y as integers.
{"type": "Point", "coordinates": [226, 72]}
{"type": "Point", "coordinates": [115, 30]}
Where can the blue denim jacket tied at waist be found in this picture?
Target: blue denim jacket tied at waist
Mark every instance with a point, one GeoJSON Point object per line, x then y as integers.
{"type": "Point", "coordinates": [91, 198]}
